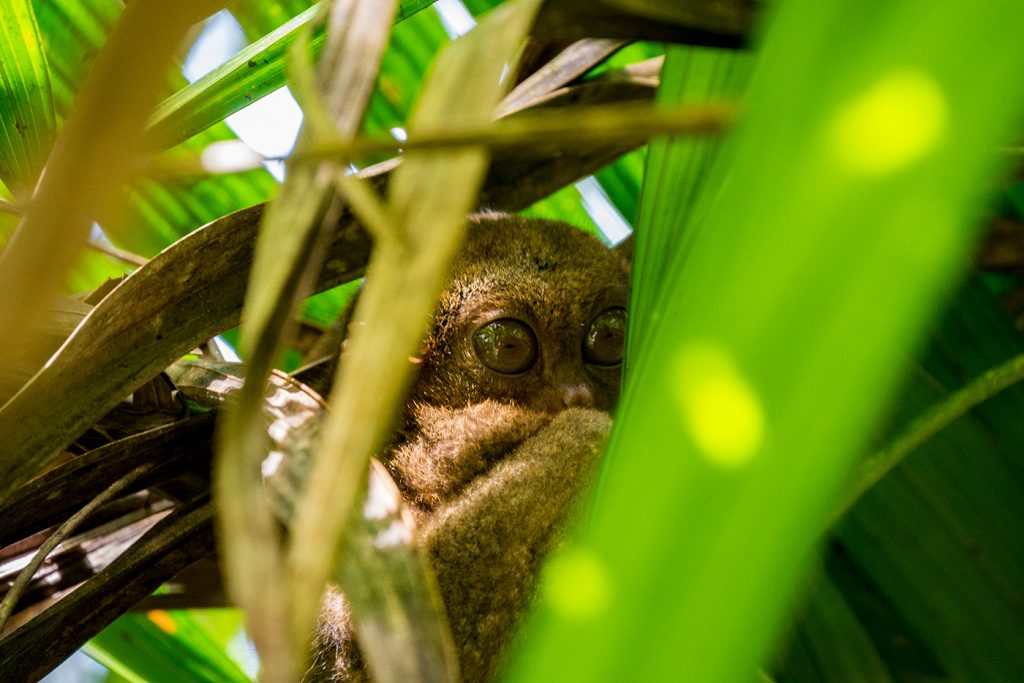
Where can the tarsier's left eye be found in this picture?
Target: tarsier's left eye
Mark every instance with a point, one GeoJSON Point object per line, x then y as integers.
{"type": "Point", "coordinates": [605, 338]}
{"type": "Point", "coordinates": [506, 345]}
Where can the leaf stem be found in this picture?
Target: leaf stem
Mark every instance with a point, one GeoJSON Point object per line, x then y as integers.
{"type": "Point", "coordinates": [874, 468]}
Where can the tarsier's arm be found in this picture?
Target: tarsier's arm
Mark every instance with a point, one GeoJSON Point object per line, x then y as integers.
{"type": "Point", "coordinates": [493, 484]}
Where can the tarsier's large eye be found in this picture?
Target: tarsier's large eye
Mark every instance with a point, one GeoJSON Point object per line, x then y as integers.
{"type": "Point", "coordinates": [606, 337]}
{"type": "Point", "coordinates": [507, 346]}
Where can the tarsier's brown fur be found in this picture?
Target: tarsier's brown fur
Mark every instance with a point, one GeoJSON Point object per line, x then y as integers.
{"type": "Point", "coordinates": [491, 463]}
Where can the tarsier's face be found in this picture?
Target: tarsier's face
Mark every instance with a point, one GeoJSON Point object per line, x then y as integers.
{"type": "Point", "coordinates": [535, 315]}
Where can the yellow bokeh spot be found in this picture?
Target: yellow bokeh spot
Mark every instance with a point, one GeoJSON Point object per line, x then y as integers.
{"type": "Point", "coordinates": [164, 621]}
{"type": "Point", "coordinates": [893, 124]}
{"type": "Point", "coordinates": [576, 585]}
{"type": "Point", "coordinates": [720, 409]}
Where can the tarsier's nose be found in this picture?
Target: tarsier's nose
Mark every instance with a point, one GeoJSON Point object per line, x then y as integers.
{"type": "Point", "coordinates": [558, 396]}
{"type": "Point", "coordinates": [577, 396]}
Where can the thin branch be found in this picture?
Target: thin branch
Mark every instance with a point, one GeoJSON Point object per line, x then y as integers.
{"type": "Point", "coordinates": [569, 128]}
{"type": "Point", "coordinates": [58, 536]}
{"type": "Point", "coordinates": [119, 254]}
{"type": "Point", "coordinates": [874, 468]}
{"type": "Point", "coordinates": [607, 124]}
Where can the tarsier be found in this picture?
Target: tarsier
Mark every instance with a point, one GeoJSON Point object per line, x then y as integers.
{"type": "Point", "coordinates": [503, 426]}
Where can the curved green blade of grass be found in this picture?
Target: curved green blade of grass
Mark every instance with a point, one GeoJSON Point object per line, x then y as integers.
{"type": "Point", "coordinates": [781, 336]}
{"type": "Point", "coordinates": [255, 71]}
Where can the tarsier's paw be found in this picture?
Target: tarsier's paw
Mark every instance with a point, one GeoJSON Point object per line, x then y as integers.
{"type": "Point", "coordinates": [535, 480]}
{"type": "Point", "coordinates": [487, 543]}
{"type": "Point", "coordinates": [454, 446]}
{"type": "Point", "coordinates": [575, 426]}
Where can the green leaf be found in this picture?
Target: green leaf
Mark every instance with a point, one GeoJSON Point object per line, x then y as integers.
{"type": "Point", "coordinates": [160, 212]}
{"type": "Point", "coordinates": [678, 171]}
{"type": "Point", "coordinates": [165, 647]}
{"type": "Point", "coordinates": [255, 71]}
{"type": "Point", "coordinates": [258, 18]}
{"type": "Point", "coordinates": [779, 331]}
{"type": "Point", "coordinates": [27, 120]}
{"type": "Point", "coordinates": [829, 642]}
{"type": "Point", "coordinates": [933, 534]}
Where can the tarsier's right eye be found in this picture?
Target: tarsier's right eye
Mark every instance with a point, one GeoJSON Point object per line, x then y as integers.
{"type": "Point", "coordinates": [606, 337]}
{"type": "Point", "coordinates": [506, 345]}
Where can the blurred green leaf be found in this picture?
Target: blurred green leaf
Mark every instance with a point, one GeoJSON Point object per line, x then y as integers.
{"type": "Point", "coordinates": [27, 120]}
{"type": "Point", "coordinates": [779, 331]}
{"type": "Point", "coordinates": [947, 513]}
{"type": "Point", "coordinates": [258, 17]}
{"type": "Point", "coordinates": [158, 212]}
{"type": "Point", "coordinates": [165, 647]}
